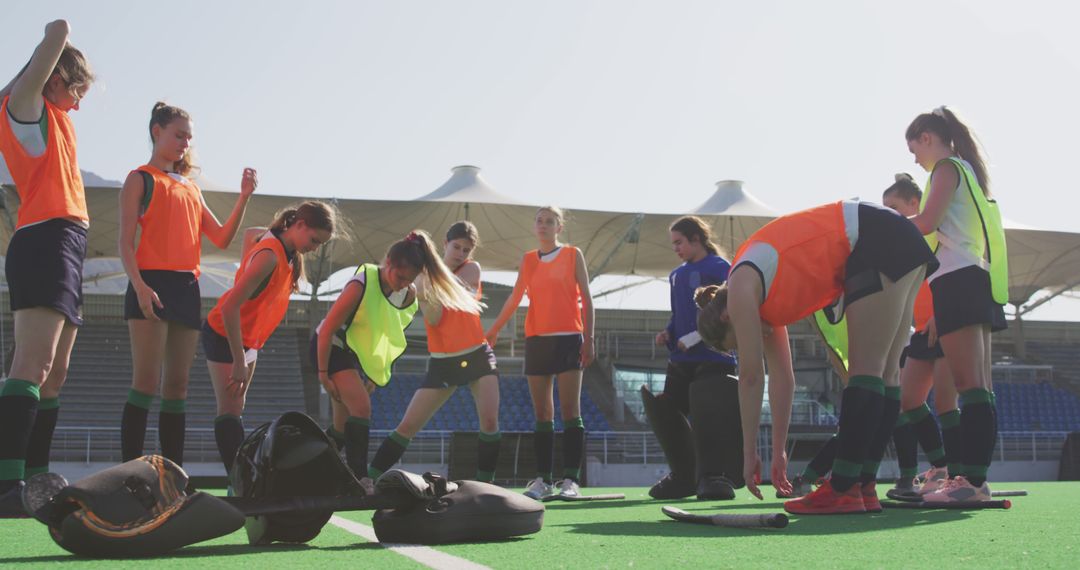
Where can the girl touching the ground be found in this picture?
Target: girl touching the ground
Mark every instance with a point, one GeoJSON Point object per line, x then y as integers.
{"type": "Point", "coordinates": [460, 357]}
{"type": "Point", "coordinates": [558, 346]}
{"type": "Point", "coordinates": [355, 346]}
{"type": "Point", "coordinates": [271, 265]}
{"type": "Point", "coordinates": [162, 305]}
{"type": "Point", "coordinates": [863, 261]}
{"type": "Point", "coordinates": [45, 255]}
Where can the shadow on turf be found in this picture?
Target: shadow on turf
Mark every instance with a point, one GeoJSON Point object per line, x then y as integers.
{"type": "Point", "coordinates": [199, 552]}
{"type": "Point", "coordinates": [804, 526]}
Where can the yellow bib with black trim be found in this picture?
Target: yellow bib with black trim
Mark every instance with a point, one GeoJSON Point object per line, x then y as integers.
{"type": "Point", "coordinates": [377, 330]}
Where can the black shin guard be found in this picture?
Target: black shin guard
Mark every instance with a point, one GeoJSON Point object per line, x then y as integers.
{"type": "Point", "coordinates": [862, 404]}
{"type": "Point", "coordinates": [172, 425]}
{"type": "Point", "coordinates": [953, 442]}
{"type": "Point", "coordinates": [674, 434]}
{"type": "Point", "coordinates": [573, 447]}
{"type": "Point", "coordinates": [357, 432]}
{"type": "Point", "coordinates": [37, 452]}
{"type": "Point", "coordinates": [889, 414]}
{"type": "Point", "coordinates": [927, 432]}
{"type": "Point", "coordinates": [133, 424]}
{"type": "Point", "coordinates": [979, 433]}
{"type": "Point", "coordinates": [714, 415]}
{"type": "Point", "coordinates": [229, 434]}
{"type": "Point", "coordinates": [907, 448]}
{"type": "Point", "coordinates": [18, 408]}
{"type": "Point", "coordinates": [544, 446]}
{"type": "Point", "coordinates": [487, 456]}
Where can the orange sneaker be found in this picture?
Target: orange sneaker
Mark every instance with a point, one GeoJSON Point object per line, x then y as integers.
{"type": "Point", "coordinates": [869, 497]}
{"type": "Point", "coordinates": [826, 501]}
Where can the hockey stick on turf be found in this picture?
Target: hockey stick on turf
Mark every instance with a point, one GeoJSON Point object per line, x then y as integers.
{"type": "Point", "coordinates": [606, 497]}
{"type": "Point", "coordinates": [778, 520]}
{"type": "Point", "coordinates": [970, 505]}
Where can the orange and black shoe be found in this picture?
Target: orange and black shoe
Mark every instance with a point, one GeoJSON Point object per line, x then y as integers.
{"type": "Point", "coordinates": [826, 501]}
{"type": "Point", "coordinates": [869, 497]}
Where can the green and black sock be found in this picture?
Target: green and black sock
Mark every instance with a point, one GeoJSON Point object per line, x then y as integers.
{"type": "Point", "coordinates": [18, 408]}
{"type": "Point", "coordinates": [979, 433]}
{"type": "Point", "coordinates": [388, 454]}
{"type": "Point", "coordinates": [336, 436]}
{"type": "Point", "coordinates": [927, 432]}
{"type": "Point", "coordinates": [172, 423]}
{"type": "Point", "coordinates": [133, 424]}
{"type": "Point", "coordinates": [907, 448]}
{"type": "Point", "coordinates": [37, 452]}
{"type": "Point", "coordinates": [229, 434]}
{"type": "Point", "coordinates": [487, 456]}
{"type": "Point", "coordinates": [544, 445]}
{"type": "Point", "coordinates": [357, 432]}
{"type": "Point", "coordinates": [573, 447]}
{"type": "Point", "coordinates": [953, 440]}
{"type": "Point", "coordinates": [822, 462]}
{"type": "Point", "coordinates": [861, 406]}
{"type": "Point", "coordinates": [889, 414]}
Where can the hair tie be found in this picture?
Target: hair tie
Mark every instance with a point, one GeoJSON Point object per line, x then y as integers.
{"type": "Point", "coordinates": [412, 237]}
{"type": "Point", "coordinates": [940, 111]}
{"type": "Point", "coordinates": [902, 176]}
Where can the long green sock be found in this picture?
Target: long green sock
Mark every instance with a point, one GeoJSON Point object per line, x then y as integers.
{"type": "Point", "coordinates": [133, 424]}
{"type": "Point", "coordinates": [37, 451]}
{"type": "Point", "coordinates": [861, 407]}
{"type": "Point", "coordinates": [953, 440]}
{"type": "Point", "coordinates": [389, 453]}
{"type": "Point", "coordinates": [487, 456]}
{"type": "Point", "coordinates": [18, 408]}
{"type": "Point", "coordinates": [544, 445]}
{"type": "Point", "coordinates": [979, 431]}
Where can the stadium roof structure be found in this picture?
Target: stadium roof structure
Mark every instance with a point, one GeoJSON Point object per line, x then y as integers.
{"type": "Point", "coordinates": [613, 242]}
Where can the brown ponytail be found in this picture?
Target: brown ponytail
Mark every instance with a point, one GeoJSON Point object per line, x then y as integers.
{"type": "Point", "coordinates": [956, 135]}
{"type": "Point", "coordinates": [315, 214]}
{"type": "Point", "coordinates": [73, 68]}
{"type": "Point", "coordinates": [417, 250]}
{"type": "Point", "coordinates": [695, 229]}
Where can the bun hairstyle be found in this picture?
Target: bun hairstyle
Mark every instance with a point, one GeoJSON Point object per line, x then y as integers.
{"type": "Point", "coordinates": [417, 250]}
{"type": "Point", "coordinates": [695, 229]}
{"type": "Point", "coordinates": [560, 215]}
{"type": "Point", "coordinates": [161, 115]}
{"type": "Point", "coordinates": [904, 188]}
{"type": "Point", "coordinates": [315, 214]}
{"type": "Point", "coordinates": [712, 304]}
{"type": "Point", "coordinates": [956, 135]}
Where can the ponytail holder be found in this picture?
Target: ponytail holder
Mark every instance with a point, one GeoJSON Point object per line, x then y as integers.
{"type": "Point", "coordinates": [902, 176]}
{"type": "Point", "coordinates": [412, 237]}
{"type": "Point", "coordinates": [940, 111]}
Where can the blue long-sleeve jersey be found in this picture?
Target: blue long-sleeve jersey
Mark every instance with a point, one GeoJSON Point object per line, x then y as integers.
{"type": "Point", "coordinates": [684, 280]}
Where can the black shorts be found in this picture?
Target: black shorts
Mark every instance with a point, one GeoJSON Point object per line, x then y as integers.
{"type": "Point", "coordinates": [44, 266]}
{"type": "Point", "coordinates": [215, 346]}
{"type": "Point", "coordinates": [461, 370]}
{"type": "Point", "coordinates": [545, 355]}
{"type": "Point", "coordinates": [179, 293]}
{"type": "Point", "coordinates": [963, 298]}
{"type": "Point", "coordinates": [341, 357]}
{"type": "Point", "coordinates": [681, 374]}
{"type": "Point", "coordinates": [917, 349]}
{"type": "Point", "coordinates": [888, 244]}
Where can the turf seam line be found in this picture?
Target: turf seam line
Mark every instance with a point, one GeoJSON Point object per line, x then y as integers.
{"type": "Point", "coordinates": [423, 554]}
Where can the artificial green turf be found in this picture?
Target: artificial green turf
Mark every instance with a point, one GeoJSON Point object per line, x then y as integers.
{"type": "Point", "coordinates": [1041, 530]}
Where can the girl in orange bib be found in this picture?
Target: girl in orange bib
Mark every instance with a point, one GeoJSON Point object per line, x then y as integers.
{"type": "Point", "coordinates": [162, 305]}
{"type": "Point", "coordinates": [245, 316]}
{"type": "Point", "coordinates": [558, 345]}
{"type": "Point", "coordinates": [460, 357]}
{"type": "Point", "coordinates": [45, 255]}
{"type": "Point", "coordinates": [865, 262]}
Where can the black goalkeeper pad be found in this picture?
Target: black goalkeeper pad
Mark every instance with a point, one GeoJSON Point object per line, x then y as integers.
{"type": "Point", "coordinates": [714, 415]}
{"type": "Point", "coordinates": [443, 512]}
{"type": "Point", "coordinates": [674, 434]}
{"type": "Point", "coordinates": [289, 457]}
{"type": "Point", "coordinates": [135, 509]}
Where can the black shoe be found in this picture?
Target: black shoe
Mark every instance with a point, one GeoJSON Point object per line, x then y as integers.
{"type": "Point", "coordinates": [11, 505]}
{"type": "Point", "coordinates": [904, 491]}
{"type": "Point", "coordinates": [715, 488]}
{"type": "Point", "coordinates": [672, 488]}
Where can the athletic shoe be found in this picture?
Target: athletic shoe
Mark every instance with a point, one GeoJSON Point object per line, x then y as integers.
{"type": "Point", "coordinates": [933, 479]}
{"type": "Point", "coordinates": [869, 497]}
{"type": "Point", "coordinates": [715, 488]}
{"type": "Point", "coordinates": [368, 485]}
{"type": "Point", "coordinates": [959, 490]}
{"type": "Point", "coordinates": [538, 489]}
{"type": "Point", "coordinates": [826, 501]}
{"type": "Point", "coordinates": [568, 488]}
{"type": "Point", "coordinates": [800, 487]}
{"type": "Point", "coordinates": [905, 490]}
{"type": "Point", "coordinates": [11, 505]}
{"type": "Point", "coordinates": [671, 487]}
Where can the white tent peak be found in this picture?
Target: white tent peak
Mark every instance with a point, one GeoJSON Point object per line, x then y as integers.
{"type": "Point", "coordinates": [467, 185]}
{"type": "Point", "coordinates": [731, 199]}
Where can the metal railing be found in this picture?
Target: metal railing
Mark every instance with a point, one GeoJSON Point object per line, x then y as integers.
{"type": "Point", "coordinates": [102, 445]}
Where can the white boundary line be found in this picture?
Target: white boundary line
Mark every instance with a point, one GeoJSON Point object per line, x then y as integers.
{"type": "Point", "coordinates": [424, 555]}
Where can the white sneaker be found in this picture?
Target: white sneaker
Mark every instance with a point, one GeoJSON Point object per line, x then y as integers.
{"type": "Point", "coordinates": [933, 479]}
{"type": "Point", "coordinates": [538, 489]}
{"type": "Point", "coordinates": [569, 488]}
{"type": "Point", "coordinates": [959, 490]}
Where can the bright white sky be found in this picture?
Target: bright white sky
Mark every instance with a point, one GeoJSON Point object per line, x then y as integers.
{"type": "Point", "coordinates": [588, 104]}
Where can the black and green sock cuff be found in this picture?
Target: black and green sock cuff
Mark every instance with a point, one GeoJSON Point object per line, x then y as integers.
{"type": "Point", "coordinates": [949, 419]}
{"type": "Point", "coordinates": [846, 468]}
{"type": "Point", "coordinates": [399, 439]}
{"type": "Point", "coordinates": [139, 399]}
{"type": "Point", "coordinates": [545, 426]}
{"type": "Point", "coordinates": [48, 404]}
{"type": "Point", "coordinates": [497, 436]}
{"type": "Point", "coordinates": [975, 396]}
{"type": "Point", "coordinates": [892, 392]}
{"type": "Point", "coordinates": [871, 383]}
{"type": "Point", "coordinates": [178, 406]}
{"type": "Point", "coordinates": [14, 387]}
{"type": "Point", "coordinates": [577, 422]}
